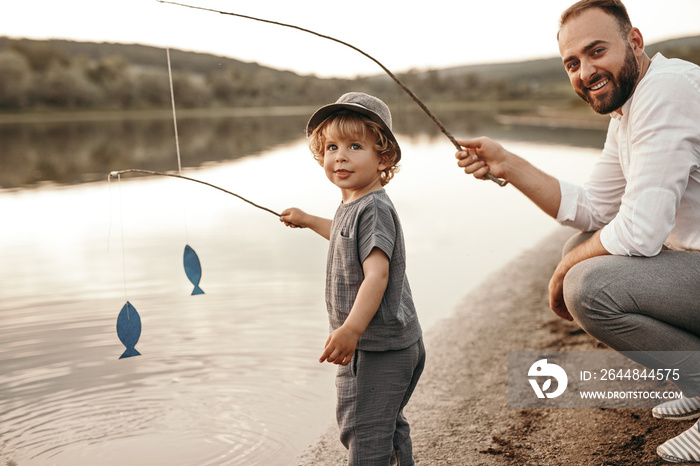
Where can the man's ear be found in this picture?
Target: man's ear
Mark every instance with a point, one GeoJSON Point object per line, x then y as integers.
{"type": "Point", "coordinates": [636, 41]}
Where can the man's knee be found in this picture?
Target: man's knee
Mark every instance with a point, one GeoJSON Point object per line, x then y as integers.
{"type": "Point", "coordinates": [575, 240]}
{"type": "Point", "coordinates": [590, 291]}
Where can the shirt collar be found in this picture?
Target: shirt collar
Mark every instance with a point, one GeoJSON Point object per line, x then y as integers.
{"type": "Point", "coordinates": [626, 106]}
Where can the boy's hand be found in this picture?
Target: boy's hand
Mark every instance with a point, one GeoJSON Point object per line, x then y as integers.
{"type": "Point", "coordinates": [297, 218]}
{"type": "Point", "coordinates": [294, 218]}
{"type": "Point", "coordinates": [340, 346]}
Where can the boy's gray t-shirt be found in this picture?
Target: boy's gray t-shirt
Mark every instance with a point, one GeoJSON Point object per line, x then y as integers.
{"type": "Point", "coordinates": [357, 228]}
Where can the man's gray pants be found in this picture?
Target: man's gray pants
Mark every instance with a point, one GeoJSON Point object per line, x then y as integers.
{"type": "Point", "coordinates": [372, 391]}
{"type": "Point", "coordinates": [647, 305]}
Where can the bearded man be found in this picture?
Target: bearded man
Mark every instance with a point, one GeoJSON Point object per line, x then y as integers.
{"type": "Point", "coordinates": [633, 279]}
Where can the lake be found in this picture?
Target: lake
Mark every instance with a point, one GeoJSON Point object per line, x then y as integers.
{"type": "Point", "coordinates": [229, 377]}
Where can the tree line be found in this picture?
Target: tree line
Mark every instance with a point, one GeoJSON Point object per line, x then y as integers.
{"type": "Point", "coordinates": [38, 75]}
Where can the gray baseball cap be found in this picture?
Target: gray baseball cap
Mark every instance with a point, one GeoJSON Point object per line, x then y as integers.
{"type": "Point", "coordinates": [359, 102]}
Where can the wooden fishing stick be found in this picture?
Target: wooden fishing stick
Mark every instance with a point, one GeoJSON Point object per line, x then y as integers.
{"type": "Point", "coordinates": [490, 176]}
{"type": "Point", "coordinates": [150, 172]}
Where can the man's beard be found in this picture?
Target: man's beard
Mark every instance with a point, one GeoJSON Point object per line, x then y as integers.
{"type": "Point", "coordinates": [625, 82]}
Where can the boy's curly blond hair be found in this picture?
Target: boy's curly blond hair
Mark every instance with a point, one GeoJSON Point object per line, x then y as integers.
{"type": "Point", "coordinates": [351, 125]}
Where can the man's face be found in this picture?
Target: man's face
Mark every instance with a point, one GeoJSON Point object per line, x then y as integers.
{"type": "Point", "coordinates": [602, 65]}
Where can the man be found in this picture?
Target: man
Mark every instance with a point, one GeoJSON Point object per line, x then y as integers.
{"type": "Point", "coordinates": [634, 282]}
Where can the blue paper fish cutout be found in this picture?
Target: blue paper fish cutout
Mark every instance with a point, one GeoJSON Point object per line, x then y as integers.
{"type": "Point", "coordinates": [129, 329]}
{"type": "Point", "coordinates": [193, 269]}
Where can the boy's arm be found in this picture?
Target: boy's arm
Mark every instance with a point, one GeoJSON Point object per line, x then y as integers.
{"type": "Point", "coordinates": [297, 218]}
{"type": "Point", "coordinates": [341, 344]}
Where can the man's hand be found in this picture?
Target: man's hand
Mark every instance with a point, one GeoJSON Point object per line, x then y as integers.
{"type": "Point", "coordinates": [589, 249]}
{"type": "Point", "coordinates": [556, 293]}
{"type": "Point", "coordinates": [481, 156]}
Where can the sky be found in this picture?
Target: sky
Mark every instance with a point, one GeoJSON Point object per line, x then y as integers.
{"type": "Point", "coordinates": [401, 35]}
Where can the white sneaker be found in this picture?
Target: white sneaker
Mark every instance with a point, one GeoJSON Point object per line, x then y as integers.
{"type": "Point", "coordinates": [684, 448]}
{"type": "Point", "coordinates": [680, 410]}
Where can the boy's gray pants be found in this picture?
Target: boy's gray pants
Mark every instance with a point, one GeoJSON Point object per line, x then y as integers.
{"type": "Point", "coordinates": [372, 391]}
{"type": "Point", "coordinates": [648, 305]}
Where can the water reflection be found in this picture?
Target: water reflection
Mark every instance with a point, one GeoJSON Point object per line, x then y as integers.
{"type": "Point", "coordinates": [75, 152]}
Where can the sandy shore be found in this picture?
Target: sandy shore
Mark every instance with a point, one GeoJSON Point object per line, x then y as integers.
{"type": "Point", "coordinates": [459, 413]}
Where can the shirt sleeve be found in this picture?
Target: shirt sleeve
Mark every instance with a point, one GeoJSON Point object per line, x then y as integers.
{"type": "Point", "coordinates": [377, 229]}
{"type": "Point", "coordinates": [592, 206]}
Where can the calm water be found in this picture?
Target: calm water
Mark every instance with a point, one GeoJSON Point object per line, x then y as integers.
{"type": "Point", "coordinates": [229, 377]}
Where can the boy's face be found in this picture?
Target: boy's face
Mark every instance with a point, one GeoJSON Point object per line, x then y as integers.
{"type": "Point", "coordinates": [352, 164]}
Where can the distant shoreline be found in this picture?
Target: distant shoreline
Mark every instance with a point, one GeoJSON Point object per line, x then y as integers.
{"type": "Point", "coordinates": [552, 121]}
{"type": "Point", "coordinates": [550, 113]}
{"type": "Point", "coordinates": [62, 116]}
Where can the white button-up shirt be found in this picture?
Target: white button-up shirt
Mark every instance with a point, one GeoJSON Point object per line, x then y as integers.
{"type": "Point", "coordinates": [644, 191]}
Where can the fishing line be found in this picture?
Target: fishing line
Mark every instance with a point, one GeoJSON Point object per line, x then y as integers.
{"type": "Point", "coordinates": [128, 319]}
{"type": "Point", "coordinates": [177, 143]}
{"type": "Point", "coordinates": [439, 124]}
{"type": "Point", "coordinates": [172, 100]}
{"type": "Point", "coordinates": [121, 223]}
{"type": "Point", "coordinates": [193, 268]}
{"type": "Point", "coordinates": [121, 226]}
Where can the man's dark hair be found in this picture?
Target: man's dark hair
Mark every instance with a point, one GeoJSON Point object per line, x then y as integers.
{"type": "Point", "coordinates": [614, 8]}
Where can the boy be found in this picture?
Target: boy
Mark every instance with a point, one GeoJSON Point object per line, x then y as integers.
{"type": "Point", "coordinates": [375, 336]}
